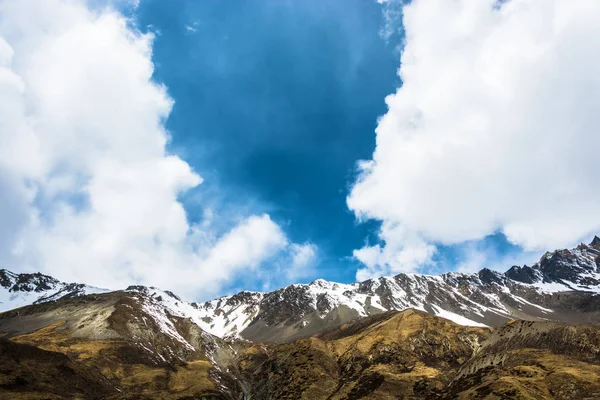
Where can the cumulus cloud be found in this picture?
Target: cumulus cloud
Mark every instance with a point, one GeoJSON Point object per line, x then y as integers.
{"type": "Point", "coordinates": [89, 191]}
{"type": "Point", "coordinates": [402, 251]}
{"type": "Point", "coordinates": [494, 129]}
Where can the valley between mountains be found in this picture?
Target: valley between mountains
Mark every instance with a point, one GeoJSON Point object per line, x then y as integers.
{"type": "Point", "coordinates": [531, 332]}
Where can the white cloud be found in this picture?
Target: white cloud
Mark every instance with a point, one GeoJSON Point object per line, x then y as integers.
{"type": "Point", "coordinates": [89, 191]}
{"type": "Point", "coordinates": [494, 128]}
{"type": "Point", "coordinates": [402, 251]}
{"type": "Point", "coordinates": [303, 258]}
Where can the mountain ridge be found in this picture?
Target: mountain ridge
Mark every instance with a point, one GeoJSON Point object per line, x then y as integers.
{"type": "Point", "coordinates": [562, 286]}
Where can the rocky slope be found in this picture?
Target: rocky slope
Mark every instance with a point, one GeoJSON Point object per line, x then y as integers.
{"type": "Point", "coordinates": [118, 345]}
{"type": "Point", "coordinates": [414, 355]}
{"type": "Point", "coordinates": [409, 354]}
{"type": "Point", "coordinates": [533, 360]}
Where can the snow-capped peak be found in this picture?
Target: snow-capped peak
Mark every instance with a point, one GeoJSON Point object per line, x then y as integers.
{"type": "Point", "coordinates": [17, 290]}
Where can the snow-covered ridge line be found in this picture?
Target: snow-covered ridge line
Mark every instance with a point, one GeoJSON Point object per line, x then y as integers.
{"type": "Point", "coordinates": [477, 299]}
{"type": "Point", "coordinates": [483, 298]}
{"type": "Point", "coordinates": [18, 290]}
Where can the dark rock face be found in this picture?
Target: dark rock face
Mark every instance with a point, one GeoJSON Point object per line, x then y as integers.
{"type": "Point", "coordinates": [285, 305]}
{"type": "Point", "coordinates": [523, 274]}
{"type": "Point", "coordinates": [368, 286]}
{"type": "Point", "coordinates": [487, 277]}
{"type": "Point", "coordinates": [173, 295]}
{"type": "Point", "coordinates": [5, 278]}
{"type": "Point", "coordinates": [323, 303]}
{"type": "Point", "coordinates": [595, 243]}
{"type": "Point", "coordinates": [33, 282]}
{"type": "Point", "coordinates": [241, 298]}
{"type": "Point", "coordinates": [563, 266]}
{"type": "Point", "coordinates": [137, 288]}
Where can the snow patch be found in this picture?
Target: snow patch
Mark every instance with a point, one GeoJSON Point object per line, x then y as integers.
{"type": "Point", "coordinates": [459, 319]}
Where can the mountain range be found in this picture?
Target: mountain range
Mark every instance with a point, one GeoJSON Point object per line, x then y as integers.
{"type": "Point", "coordinates": [530, 332]}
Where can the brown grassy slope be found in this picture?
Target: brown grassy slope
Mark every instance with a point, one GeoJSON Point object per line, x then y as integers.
{"type": "Point", "coordinates": [131, 357]}
{"type": "Point", "coordinates": [124, 366]}
{"type": "Point", "coordinates": [533, 360]}
{"type": "Point", "coordinates": [27, 372]}
{"type": "Point", "coordinates": [413, 355]}
{"type": "Point", "coordinates": [409, 354]}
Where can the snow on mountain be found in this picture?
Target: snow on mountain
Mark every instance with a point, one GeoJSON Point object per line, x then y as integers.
{"type": "Point", "coordinates": [486, 298]}
{"type": "Point", "coordinates": [564, 285]}
{"type": "Point", "coordinates": [229, 315]}
{"type": "Point", "coordinates": [575, 269]}
{"type": "Point", "coordinates": [17, 290]}
{"type": "Point", "coordinates": [222, 317]}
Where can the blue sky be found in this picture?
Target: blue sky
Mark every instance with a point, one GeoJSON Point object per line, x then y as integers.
{"type": "Point", "coordinates": [275, 102]}
{"type": "Point", "coordinates": [210, 146]}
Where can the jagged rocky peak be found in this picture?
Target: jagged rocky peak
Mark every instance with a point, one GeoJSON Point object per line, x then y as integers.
{"type": "Point", "coordinates": [523, 274]}
{"type": "Point", "coordinates": [595, 243]}
{"type": "Point", "coordinates": [287, 303]}
{"type": "Point", "coordinates": [368, 286]}
{"type": "Point", "coordinates": [320, 284]}
{"type": "Point", "coordinates": [576, 268]}
{"type": "Point", "coordinates": [17, 290]}
{"type": "Point", "coordinates": [26, 282]}
{"type": "Point", "coordinates": [152, 291]}
{"type": "Point", "coordinates": [487, 276]}
{"type": "Point", "coordinates": [137, 288]}
{"type": "Point", "coordinates": [244, 297]}
{"type": "Point", "coordinates": [7, 278]}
